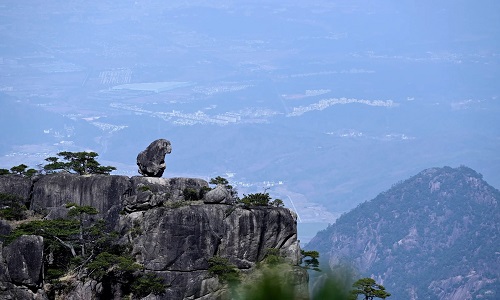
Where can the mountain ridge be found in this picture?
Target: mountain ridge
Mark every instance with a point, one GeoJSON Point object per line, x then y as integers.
{"type": "Point", "coordinates": [431, 236]}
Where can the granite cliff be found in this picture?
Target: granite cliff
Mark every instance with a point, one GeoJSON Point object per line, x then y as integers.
{"type": "Point", "coordinates": [171, 227]}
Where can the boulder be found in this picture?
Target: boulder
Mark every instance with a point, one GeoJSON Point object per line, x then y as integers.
{"type": "Point", "coordinates": [9, 291]}
{"type": "Point", "coordinates": [151, 161]}
{"type": "Point", "coordinates": [220, 194]}
{"type": "Point", "coordinates": [149, 192]}
{"type": "Point", "coordinates": [24, 260]}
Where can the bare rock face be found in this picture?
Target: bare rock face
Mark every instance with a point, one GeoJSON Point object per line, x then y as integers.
{"type": "Point", "coordinates": [15, 185]}
{"type": "Point", "coordinates": [100, 191]}
{"type": "Point", "coordinates": [176, 243]}
{"type": "Point", "coordinates": [85, 290]}
{"type": "Point", "coordinates": [5, 228]}
{"type": "Point", "coordinates": [24, 260]}
{"type": "Point", "coordinates": [151, 161]}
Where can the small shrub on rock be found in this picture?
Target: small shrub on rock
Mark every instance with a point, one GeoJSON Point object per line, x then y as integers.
{"type": "Point", "coordinates": [223, 269]}
{"type": "Point", "coordinates": [273, 257]}
{"type": "Point", "coordinates": [258, 199]}
{"type": "Point", "coordinates": [11, 208]}
{"type": "Point", "coordinates": [146, 284]}
{"type": "Point", "coordinates": [191, 194]}
{"type": "Point", "coordinates": [144, 188]}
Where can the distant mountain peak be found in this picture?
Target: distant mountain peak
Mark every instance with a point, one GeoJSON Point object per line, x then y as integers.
{"type": "Point", "coordinates": [424, 237]}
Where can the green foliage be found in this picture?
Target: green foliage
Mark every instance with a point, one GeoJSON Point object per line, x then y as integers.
{"type": "Point", "coordinates": [108, 264]}
{"type": "Point", "coordinates": [191, 194]}
{"type": "Point", "coordinates": [100, 258]}
{"type": "Point", "coordinates": [203, 191]}
{"type": "Point", "coordinates": [54, 274]}
{"type": "Point", "coordinates": [136, 229]}
{"type": "Point", "coordinates": [30, 172]}
{"type": "Point", "coordinates": [14, 212]}
{"type": "Point", "coordinates": [369, 289]}
{"type": "Point", "coordinates": [144, 188]}
{"type": "Point", "coordinates": [11, 207]}
{"type": "Point", "coordinates": [72, 241]}
{"type": "Point", "coordinates": [270, 285]}
{"type": "Point", "coordinates": [122, 268]}
{"type": "Point", "coordinates": [7, 199]}
{"type": "Point", "coordinates": [223, 269]}
{"type": "Point", "coordinates": [273, 257]}
{"type": "Point", "coordinates": [79, 162]}
{"type": "Point", "coordinates": [49, 229]}
{"type": "Point", "coordinates": [310, 260]}
{"type": "Point", "coordinates": [277, 203]}
{"type": "Point", "coordinates": [219, 180]}
{"type": "Point", "coordinates": [101, 239]}
{"type": "Point", "coordinates": [223, 181]}
{"type": "Point", "coordinates": [54, 165]}
{"type": "Point", "coordinates": [19, 169]}
{"type": "Point", "coordinates": [79, 211]}
{"type": "Point", "coordinates": [258, 199]}
{"type": "Point", "coordinates": [277, 284]}
{"type": "Point", "coordinates": [146, 284]}
{"type": "Point", "coordinates": [330, 288]}
{"type": "Point", "coordinates": [59, 238]}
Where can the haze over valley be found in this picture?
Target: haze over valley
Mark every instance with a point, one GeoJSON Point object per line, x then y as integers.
{"type": "Point", "coordinates": [325, 105]}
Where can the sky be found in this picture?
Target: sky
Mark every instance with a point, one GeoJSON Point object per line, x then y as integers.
{"type": "Point", "coordinates": [326, 103]}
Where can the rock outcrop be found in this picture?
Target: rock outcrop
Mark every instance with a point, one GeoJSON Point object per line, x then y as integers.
{"type": "Point", "coordinates": [173, 226]}
{"type": "Point", "coordinates": [16, 185]}
{"type": "Point", "coordinates": [21, 266]}
{"type": "Point", "coordinates": [151, 161]}
{"type": "Point", "coordinates": [149, 192]}
{"type": "Point", "coordinates": [5, 228]}
{"type": "Point", "coordinates": [220, 194]}
{"type": "Point", "coordinates": [177, 243]}
{"type": "Point", "coordinates": [24, 258]}
{"type": "Point", "coordinates": [52, 192]}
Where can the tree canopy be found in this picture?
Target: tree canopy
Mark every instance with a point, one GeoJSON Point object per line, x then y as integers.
{"type": "Point", "coordinates": [310, 260]}
{"type": "Point", "coordinates": [260, 199]}
{"type": "Point", "coordinates": [82, 163]}
{"type": "Point", "coordinates": [12, 207]}
{"type": "Point", "coordinates": [221, 267]}
{"type": "Point", "coordinates": [219, 180]}
{"type": "Point", "coordinates": [369, 289]}
{"type": "Point", "coordinates": [224, 182]}
{"type": "Point", "coordinates": [21, 169]}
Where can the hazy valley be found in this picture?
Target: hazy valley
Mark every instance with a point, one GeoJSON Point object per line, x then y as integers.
{"type": "Point", "coordinates": [309, 97]}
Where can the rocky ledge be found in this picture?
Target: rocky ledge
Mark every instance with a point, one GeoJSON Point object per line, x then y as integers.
{"type": "Point", "coordinates": [173, 226]}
